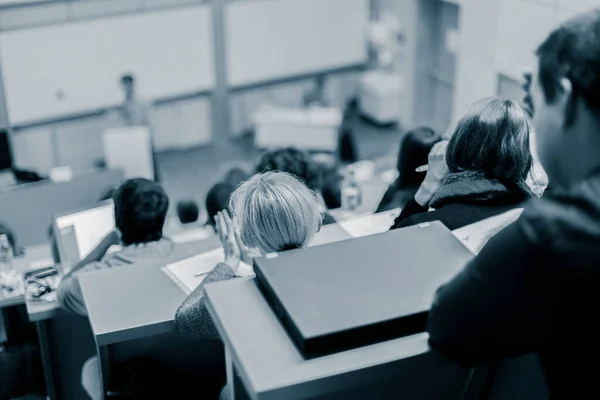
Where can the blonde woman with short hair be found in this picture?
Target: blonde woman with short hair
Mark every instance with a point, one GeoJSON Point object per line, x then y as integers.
{"type": "Point", "coordinates": [272, 212]}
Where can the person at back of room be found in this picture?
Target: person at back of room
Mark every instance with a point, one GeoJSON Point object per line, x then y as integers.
{"type": "Point", "coordinates": [533, 287]}
{"type": "Point", "coordinates": [414, 149]}
{"type": "Point", "coordinates": [188, 229]}
{"type": "Point", "coordinates": [217, 198]}
{"type": "Point", "coordinates": [299, 164]}
{"type": "Point", "coordinates": [480, 172]}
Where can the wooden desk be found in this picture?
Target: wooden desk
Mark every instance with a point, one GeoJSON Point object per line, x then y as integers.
{"type": "Point", "coordinates": [263, 363]}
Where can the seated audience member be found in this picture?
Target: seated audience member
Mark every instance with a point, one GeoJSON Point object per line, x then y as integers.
{"type": "Point", "coordinates": [480, 172]}
{"type": "Point", "coordinates": [533, 288]}
{"type": "Point", "coordinates": [299, 164]}
{"type": "Point", "coordinates": [332, 189]}
{"type": "Point", "coordinates": [235, 177]}
{"type": "Point", "coordinates": [414, 150]}
{"type": "Point", "coordinates": [188, 229]}
{"type": "Point", "coordinates": [140, 210]}
{"type": "Point", "coordinates": [272, 212]}
{"type": "Point", "coordinates": [187, 212]}
{"type": "Point", "coordinates": [217, 199]}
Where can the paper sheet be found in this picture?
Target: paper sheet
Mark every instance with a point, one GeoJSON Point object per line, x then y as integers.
{"type": "Point", "coordinates": [370, 224]}
{"type": "Point", "coordinates": [476, 235]}
{"type": "Point", "coordinates": [190, 273]}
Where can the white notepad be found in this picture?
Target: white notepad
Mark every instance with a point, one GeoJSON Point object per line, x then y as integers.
{"type": "Point", "coordinates": [476, 235]}
{"type": "Point", "coordinates": [370, 224]}
{"type": "Point", "coordinates": [188, 274]}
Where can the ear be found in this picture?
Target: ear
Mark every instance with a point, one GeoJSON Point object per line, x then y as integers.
{"type": "Point", "coordinates": [566, 100]}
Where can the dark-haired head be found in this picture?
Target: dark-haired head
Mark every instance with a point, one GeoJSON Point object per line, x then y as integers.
{"type": "Point", "coordinates": [217, 200]}
{"type": "Point", "coordinates": [565, 95]}
{"type": "Point", "coordinates": [187, 211]}
{"type": "Point", "coordinates": [140, 210]}
{"type": "Point", "coordinates": [493, 138]}
{"type": "Point", "coordinates": [127, 79]}
{"type": "Point", "coordinates": [235, 176]}
{"type": "Point", "coordinates": [414, 149]}
{"type": "Point", "coordinates": [295, 162]}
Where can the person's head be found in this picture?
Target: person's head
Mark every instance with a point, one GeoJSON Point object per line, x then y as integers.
{"type": "Point", "coordinates": [140, 210]}
{"type": "Point", "coordinates": [187, 211]}
{"type": "Point", "coordinates": [217, 199]}
{"type": "Point", "coordinates": [128, 84]}
{"type": "Point", "coordinates": [493, 138]}
{"type": "Point", "coordinates": [275, 212]}
{"type": "Point", "coordinates": [414, 149]}
{"type": "Point", "coordinates": [565, 95]}
{"type": "Point", "coordinates": [292, 161]}
{"type": "Point", "coordinates": [235, 176]}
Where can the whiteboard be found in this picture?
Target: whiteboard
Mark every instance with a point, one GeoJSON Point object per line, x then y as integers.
{"type": "Point", "coordinates": [70, 69]}
{"type": "Point", "coordinates": [274, 39]}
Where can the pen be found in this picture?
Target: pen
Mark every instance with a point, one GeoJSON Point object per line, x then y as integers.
{"type": "Point", "coordinates": [199, 274]}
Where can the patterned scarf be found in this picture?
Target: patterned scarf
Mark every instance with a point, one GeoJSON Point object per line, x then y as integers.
{"type": "Point", "coordinates": [474, 187]}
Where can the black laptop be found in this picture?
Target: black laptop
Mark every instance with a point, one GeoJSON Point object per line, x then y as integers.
{"type": "Point", "coordinates": [360, 291]}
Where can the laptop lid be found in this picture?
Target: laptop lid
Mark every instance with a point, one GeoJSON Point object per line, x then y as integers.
{"type": "Point", "coordinates": [78, 232]}
{"type": "Point", "coordinates": [360, 291]}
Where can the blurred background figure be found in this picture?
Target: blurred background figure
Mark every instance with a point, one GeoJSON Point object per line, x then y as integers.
{"type": "Point", "coordinates": [217, 199]}
{"type": "Point", "coordinates": [414, 150]}
{"type": "Point", "coordinates": [187, 212]}
{"type": "Point", "coordinates": [316, 95]}
{"type": "Point", "coordinates": [135, 110]}
{"type": "Point", "coordinates": [299, 164]}
{"type": "Point", "coordinates": [189, 230]}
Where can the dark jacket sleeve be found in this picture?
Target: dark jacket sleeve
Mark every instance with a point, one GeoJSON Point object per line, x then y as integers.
{"type": "Point", "coordinates": [192, 319]}
{"type": "Point", "coordinates": [411, 208]}
{"type": "Point", "coordinates": [387, 198]}
{"type": "Point", "coordinates": [498, 306]}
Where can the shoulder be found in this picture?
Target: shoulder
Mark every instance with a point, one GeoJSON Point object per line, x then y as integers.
{"type": "Point", "coordinates": [563, 219]}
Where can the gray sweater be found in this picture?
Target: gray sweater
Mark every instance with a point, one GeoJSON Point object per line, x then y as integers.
{"type": "Point", "coordinates": [163, 251]}
{"type": "Point", "coordinates": [192, 319]}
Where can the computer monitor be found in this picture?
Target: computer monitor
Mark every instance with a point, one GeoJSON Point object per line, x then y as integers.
{"type": "Point", "coordinates": [78, 233]}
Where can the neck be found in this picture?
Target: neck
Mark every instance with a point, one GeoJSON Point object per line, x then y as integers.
{"type": "Point", "coordinates": [584, 145]}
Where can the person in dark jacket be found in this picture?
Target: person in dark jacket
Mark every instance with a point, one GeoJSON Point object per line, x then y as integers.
{"type": "Point", "coordinates": [414, 149]}
{"type": "Point", "coordinates": [481, 172]}
{"type": "Point", "coordinates": [534, 286]}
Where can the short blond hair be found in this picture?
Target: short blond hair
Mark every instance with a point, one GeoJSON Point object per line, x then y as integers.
{"type": "Point", "coordinates": [275, 212]}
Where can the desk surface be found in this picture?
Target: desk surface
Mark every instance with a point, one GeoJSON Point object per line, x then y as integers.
{"type": "Point", "coordinates": [142, 300]}
{"type": "Point", "coordinates": [33, 254]}
{"type": "Point", "coordinates": [268, 362]}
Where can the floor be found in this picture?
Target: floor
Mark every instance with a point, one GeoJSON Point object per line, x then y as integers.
{"type": "Point", "coordinates": [189, 174]}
